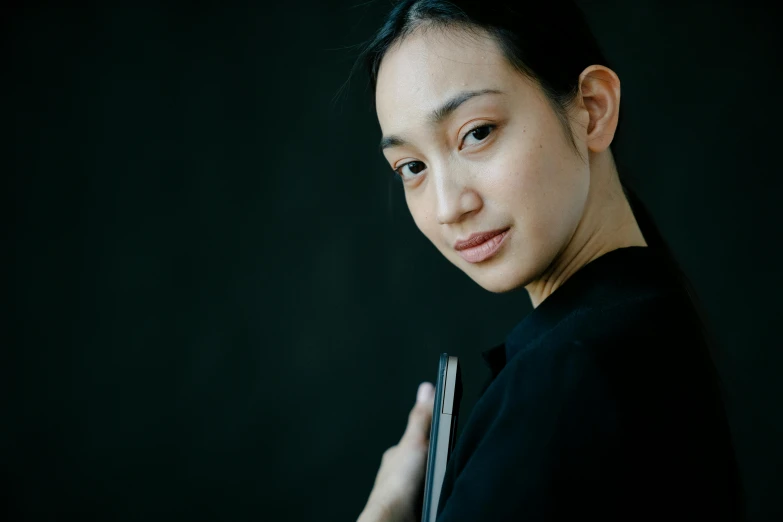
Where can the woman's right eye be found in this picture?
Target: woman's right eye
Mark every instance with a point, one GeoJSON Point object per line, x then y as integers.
{"type": "Point", "coordinates": [413, 167]}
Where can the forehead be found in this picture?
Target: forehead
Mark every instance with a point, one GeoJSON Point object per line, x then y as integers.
{"type": "Point", "coordinates": [428, 66]}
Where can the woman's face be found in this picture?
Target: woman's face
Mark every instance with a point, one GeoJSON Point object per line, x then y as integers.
{"type": "Point", "coordinates": [497, 161]}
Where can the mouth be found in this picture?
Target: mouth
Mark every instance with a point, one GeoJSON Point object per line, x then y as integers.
{"type": "Point", "coordinates": [481, 247]}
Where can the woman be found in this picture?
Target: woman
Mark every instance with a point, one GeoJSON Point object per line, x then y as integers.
{"type": "Point", "coordinates": [498, 118]}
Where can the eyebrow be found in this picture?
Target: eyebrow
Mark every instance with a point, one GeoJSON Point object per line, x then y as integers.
{"type": "Point", "coordinates": [438, 115]}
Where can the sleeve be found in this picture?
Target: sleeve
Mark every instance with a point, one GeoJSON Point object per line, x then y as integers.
{"type": "Point", "coordinates": [547, 452]}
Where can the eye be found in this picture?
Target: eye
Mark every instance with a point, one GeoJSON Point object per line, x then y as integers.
{"type": "Point", "coordinates": [413, 166]}
{"type": "Point", "coordinates": [479, 133]}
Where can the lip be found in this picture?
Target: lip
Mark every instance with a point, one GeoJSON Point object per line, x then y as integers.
{"type": "Point", "coordinates": [481, 246]}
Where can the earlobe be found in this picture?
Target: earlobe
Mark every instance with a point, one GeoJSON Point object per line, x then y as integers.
{"type": "Point", "coordinates": [599, 88]}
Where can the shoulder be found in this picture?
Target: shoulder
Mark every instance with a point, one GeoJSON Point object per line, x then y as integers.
{"type": "Point", "coordinates": [649, 314]}
{"type": "Point", "coordinates": [596, 353]}
{"type": "Point", "coordinates": [647, 326]}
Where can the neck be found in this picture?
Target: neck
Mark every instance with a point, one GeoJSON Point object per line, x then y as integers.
{"type": "Point", "coordinates": [607, 224]}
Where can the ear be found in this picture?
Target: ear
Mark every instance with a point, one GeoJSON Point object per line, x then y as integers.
{"type": "Point", "coordinates": [599, 89]}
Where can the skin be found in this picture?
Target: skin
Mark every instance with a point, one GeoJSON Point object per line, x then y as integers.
{"type": "Point", "coordinates": [563, 211]}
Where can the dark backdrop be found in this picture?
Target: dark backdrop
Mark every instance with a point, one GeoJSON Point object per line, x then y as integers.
{"type": "Point", "coordinates": [220, 307]}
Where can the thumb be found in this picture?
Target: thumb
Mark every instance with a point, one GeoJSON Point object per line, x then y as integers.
{"type": "Point", "coordinates": [420, 417]}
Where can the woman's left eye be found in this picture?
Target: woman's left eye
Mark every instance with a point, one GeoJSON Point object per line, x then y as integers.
{"type": "Point", "coordinates": [479, 133]}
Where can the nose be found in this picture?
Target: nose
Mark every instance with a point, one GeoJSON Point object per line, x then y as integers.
{"type": "Point", "coordinates": [454, 197]}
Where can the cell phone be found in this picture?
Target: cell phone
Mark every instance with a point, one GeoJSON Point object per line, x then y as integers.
{"type": "Point", "coordinates": [443, 431]}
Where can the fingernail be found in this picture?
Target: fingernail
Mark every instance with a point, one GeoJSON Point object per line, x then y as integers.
{"type": "Point", "coordinates": [425, 392]}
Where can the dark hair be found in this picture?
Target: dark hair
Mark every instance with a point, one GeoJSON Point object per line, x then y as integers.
{"type": "Point", "coordinates": [530, 35]}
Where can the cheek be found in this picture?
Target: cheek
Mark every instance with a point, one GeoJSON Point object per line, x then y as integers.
{"type": "Point", "coordinates": [545, 192]}
{"type": "Point", "coordinates": [519, 171]}
{"type": "Point", "coordinates": [520, 182]}
{"type": "Point", "coordinates": [422, 216]}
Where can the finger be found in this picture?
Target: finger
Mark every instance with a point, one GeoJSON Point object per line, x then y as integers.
{"type": "Point", "coordinates": [419, 421]}
{"type": "Point", "coordinates": [425, 392]}
{"type": "Point", "coordinates": [420, 417]}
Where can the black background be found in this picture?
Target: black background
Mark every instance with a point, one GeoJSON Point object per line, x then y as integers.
{"type": "Point", "coordinates": [220, 308]}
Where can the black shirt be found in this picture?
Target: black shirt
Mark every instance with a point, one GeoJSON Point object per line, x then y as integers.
{"type": "Point", "coordinates": [602, 403]}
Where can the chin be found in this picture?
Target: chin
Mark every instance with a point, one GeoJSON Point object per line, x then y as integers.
{"type": "Point", "coordinates": [498, 283]}
{"type": "Point", "coordinates": [498, 276]}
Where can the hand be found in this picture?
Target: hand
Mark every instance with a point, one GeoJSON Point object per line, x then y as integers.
{"type": "Point", "coordinates": [400, 480]}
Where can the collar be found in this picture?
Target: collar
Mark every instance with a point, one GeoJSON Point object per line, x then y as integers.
{"type": "Point", "coordinates": [495, 358]}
